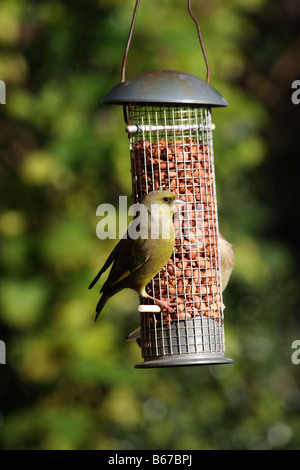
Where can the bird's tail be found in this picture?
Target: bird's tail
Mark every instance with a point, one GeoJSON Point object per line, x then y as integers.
{"type": "Point", "coordinates": [136, 334]}
{"type": "Point", "coordinates": [96, 278]}
{"type": "Point", "coordinates": [104, 298]}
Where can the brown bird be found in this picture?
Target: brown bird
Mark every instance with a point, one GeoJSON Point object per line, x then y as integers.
{"type": "Point", "coordinates": [227, 257]}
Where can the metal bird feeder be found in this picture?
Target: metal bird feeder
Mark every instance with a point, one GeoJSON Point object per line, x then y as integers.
{"type": "Point", "coordinates": [168, 121]}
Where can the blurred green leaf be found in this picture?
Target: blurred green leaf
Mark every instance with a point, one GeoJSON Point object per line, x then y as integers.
{"type": "Point", "coordinates": [23, 302]}
{"type": "Point", "coordinates": [70, 383]}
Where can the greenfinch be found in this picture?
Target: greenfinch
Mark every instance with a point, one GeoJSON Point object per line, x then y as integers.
{"type": "Point", "coordinates": [136, 260]}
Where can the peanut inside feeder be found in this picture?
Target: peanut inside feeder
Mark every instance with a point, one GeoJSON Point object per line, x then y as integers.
{"type": "Point", "coordinates": [183, 163]}
{"type": "Point", "coordinates": [168, 117]}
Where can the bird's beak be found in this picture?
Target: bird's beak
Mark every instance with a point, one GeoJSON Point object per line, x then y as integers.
{"type": "Point", "coordinates": [178, 202]}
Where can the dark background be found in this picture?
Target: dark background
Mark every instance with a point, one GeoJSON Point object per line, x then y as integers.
{"type": "Point", "coordinates": [69, 383]}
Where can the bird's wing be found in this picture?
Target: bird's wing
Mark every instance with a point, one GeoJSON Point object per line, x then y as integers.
{"type": "Point", "coordinates": [129, 258]}
{"type": "Point", "coordinates": [107, 263]}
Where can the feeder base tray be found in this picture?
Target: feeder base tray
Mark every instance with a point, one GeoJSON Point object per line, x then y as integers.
{"type": "Point", "coordinates": [183, 360]}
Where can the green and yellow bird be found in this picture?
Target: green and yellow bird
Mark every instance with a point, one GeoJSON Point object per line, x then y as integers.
{"type": "Point", "coordinates": [137, 260]}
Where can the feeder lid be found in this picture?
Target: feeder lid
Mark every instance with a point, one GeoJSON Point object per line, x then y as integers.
{"type": "Point", "coordinates": [165, 86]}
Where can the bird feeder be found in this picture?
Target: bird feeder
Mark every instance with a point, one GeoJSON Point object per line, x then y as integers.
{"type": "Point", "coordinates": [168, 121]}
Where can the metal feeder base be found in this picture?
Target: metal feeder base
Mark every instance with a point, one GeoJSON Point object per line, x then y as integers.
{"type": "Point", "coordinates": [178, 361]}
{"type": "Point", "coordinates": [192, 342]}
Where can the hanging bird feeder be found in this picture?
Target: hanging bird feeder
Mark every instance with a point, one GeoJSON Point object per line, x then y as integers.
{"type": "Point", "coordinates": [168, 121]}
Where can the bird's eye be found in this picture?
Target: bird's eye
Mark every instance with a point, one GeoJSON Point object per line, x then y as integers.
{"type": "Point", "coordinates": [166, 199]}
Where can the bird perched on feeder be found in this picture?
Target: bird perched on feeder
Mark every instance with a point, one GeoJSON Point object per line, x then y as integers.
{"type": "Point", "coordinates": [227, 257]}
{"type": "Point", "coordinates": [137, 260]}
{"type": "Point", "coordinates": [227, 260]}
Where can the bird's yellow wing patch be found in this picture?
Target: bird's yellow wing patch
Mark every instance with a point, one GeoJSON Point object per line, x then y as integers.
{"type": "Point", "coordinates": [136, 262]}
{"type": "Point", "coordinates": [121, 277]}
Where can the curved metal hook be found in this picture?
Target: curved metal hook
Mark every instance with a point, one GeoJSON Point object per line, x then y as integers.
{"type": "Point", "coordinates": [131, 32]}
{"type": "Point", "coordinates": [201, 41]}
{"type": "Point", "coordinates": [129, 41]}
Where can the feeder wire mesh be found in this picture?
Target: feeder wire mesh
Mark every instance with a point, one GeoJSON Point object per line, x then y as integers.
{"type": "Point", "coordinates": [171, 148]}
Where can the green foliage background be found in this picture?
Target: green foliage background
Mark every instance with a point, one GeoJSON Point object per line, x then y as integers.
{"type": "Point", "coordinates": [69, 383]}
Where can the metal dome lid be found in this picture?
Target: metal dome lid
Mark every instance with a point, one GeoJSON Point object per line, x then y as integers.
{"type": "Point", "coordinates": [165, 87]}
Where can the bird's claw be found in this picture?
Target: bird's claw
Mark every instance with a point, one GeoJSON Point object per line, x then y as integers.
{"type": "Point", "coordinates": [167, 306]}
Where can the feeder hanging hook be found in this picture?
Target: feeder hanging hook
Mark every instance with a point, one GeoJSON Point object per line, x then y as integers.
{"type": "Point", "coordinates": [131, 32]}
